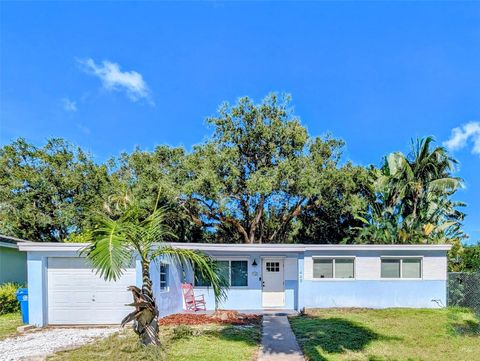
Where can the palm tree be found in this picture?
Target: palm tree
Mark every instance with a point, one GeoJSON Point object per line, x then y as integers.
{"type": "Point", "coordinates": [423, 175]}
{"type": "Point", "coordinates": [116, 242]}
{"type": "Point", "coordinates": [411, 197]}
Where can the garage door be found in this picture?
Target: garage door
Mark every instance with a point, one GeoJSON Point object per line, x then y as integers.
{"type": "Point", "coordinates": [76, 295]}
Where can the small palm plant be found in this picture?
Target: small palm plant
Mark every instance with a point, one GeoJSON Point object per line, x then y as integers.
{"type": "Point", "coordinates": [116, 242]}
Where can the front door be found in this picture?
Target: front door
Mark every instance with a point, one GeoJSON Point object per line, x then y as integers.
{"type": "Point", "coordinates": [273, 292]}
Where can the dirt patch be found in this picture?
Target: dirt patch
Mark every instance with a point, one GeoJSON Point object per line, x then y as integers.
{"type": "Point", "coordinates": [219, 317]}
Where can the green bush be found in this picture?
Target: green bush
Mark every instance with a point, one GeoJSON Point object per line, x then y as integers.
{"type": "Point", "coordinates": [8, 298]}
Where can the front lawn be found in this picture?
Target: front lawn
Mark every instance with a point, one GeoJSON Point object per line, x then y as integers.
{"type": "Point", "coordinates": [390, 334]}
{"type": "Point", "coordinates": [9, 324]}
{"type": "Point", "coordinates": [179, 343]}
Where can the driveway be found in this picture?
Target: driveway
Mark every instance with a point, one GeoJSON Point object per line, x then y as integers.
{"type": "Point", "coordinates": [37, 345]}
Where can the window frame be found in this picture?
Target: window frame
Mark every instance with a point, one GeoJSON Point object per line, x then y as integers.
{"type": "Point", "coordinates": [229, 259]}
{"type": "Point", "coordinates": [166, 288]}
{"type": "Point", "coordinates": [401, 258]}
{"type": "Point", "coordinates": [354, 258]}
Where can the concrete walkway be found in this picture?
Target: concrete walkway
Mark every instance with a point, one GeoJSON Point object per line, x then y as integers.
{"type": "Point", "coordinates": [278, 341]}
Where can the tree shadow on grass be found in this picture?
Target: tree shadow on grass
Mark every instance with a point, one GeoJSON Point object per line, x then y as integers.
{"type": "Point", "coordinates": [318, 335]}
{"type": "Point", "coordinates": [467, 328]}
{"type": "Point", "coordinates": [249, 334]}
{"type": "Point", "coordinates": [246, 334]}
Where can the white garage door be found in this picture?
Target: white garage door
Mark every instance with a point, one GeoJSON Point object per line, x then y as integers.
{"type": "Point", "coordinates": [76, 295]}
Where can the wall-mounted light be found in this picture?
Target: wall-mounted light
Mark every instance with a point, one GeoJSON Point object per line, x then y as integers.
{"type": "Point", "coordinates": [254, 263]}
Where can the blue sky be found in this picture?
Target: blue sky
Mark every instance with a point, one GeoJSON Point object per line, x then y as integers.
{"type": "Point", "coordinates": [109, 76]}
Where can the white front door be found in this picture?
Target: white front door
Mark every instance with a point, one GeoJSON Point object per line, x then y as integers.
{"type": "Point", "coordinates": [273, 292]}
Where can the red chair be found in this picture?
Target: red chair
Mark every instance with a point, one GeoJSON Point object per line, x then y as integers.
{"type": "Point", "coordinates": [192, 303]}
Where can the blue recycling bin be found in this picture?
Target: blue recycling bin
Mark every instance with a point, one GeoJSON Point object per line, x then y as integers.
{"type": "Point", "coordinates": [22, 297]}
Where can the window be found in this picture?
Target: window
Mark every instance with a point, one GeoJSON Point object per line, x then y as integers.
{"type": "Point", "coordinates": [411, 268]}
{"type": "Point", "coordinates": [333, 268]}
{"type": "Point", "coordinates": [163, 277]}
{"type": "Point", "coordinates": [344, 268]}
{"type": "Point", "coordinates": [401, 268]}
{"type": "Point", "coordinates": [323, 268]}
{"type": "Point", "coordinates": [239, 273]}
{"type": "Point", "coordinates": [272, 266]}
{"type": "Point", "coordinates": [390, 268]}
{"type": "Point", "coordinates": [233, 271]}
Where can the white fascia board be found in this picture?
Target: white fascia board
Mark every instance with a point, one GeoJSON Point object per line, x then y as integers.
{"type": "Point", "coordinates": [240, 247]}
{"type": "Point", "coordinates": [51, 247]}
{"type": "Point", "coordinates": [75, 247]}
{"type": "Point", "coordinates": [379, 247]}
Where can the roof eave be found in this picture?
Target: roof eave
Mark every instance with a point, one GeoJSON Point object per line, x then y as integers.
{"type": "Point", "coordinates": [216, 247]}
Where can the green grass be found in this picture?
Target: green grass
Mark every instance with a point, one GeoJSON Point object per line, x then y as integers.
{"type": "Point", "coordinates": [9, 324]}
{"type": "Point", "coordinates": [451, 334]}
{"type": "Point", "coordinates": [181, 343]}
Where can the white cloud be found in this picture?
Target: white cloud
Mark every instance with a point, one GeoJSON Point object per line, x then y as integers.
{"type": "Point", "coordinates": [131, 82]}
{"type": "Point", "coordinates": [461, 135]}
{"type": "Point", "coordinates": [85, 130]}
{"type": "Point", "coordinates": [69, 105]}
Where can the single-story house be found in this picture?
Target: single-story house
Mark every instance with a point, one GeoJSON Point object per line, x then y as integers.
{"type": "Point", "coordinates": [13, 263]}
{"type": "Point", "coordinates": [63, 289]}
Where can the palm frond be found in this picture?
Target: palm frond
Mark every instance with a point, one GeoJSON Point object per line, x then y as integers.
{"type": "Point", "coordinates": [109, 252]}
{"type": "Point", "coordinates": [200, 262]}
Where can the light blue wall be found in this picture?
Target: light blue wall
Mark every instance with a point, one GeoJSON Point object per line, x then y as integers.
{"type": "Point", "coordinates": [375, 294]}
{"type": "Point", "coordinates": [171, 300]}
{"type": "Point", "coordinates": [138, 273]}
{"type": "Point", "coordinates": [301, 283]}
{"type": "Point", "coordinates": [291, 294]}
{"type": "Point", "coordinates": [37, 289]}
{"type": "Point", "coordinates": [299, 292]}
{"type": "Point", "coordinates": [248, 298]}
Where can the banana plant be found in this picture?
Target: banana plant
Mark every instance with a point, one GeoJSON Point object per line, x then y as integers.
{"type": "Point", "coordinates": [411, 198]}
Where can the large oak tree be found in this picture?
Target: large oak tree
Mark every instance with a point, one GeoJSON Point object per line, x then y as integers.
{"type": "Point", "coordinates": [258, 171]}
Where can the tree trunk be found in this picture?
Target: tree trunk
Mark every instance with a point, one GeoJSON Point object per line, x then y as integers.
{"type": "Point", "coordinates": [256, 220]}
{"type": "Point", "coordinates": [146, 281]}
{"type": "Point", "coordinates": [145, 316]}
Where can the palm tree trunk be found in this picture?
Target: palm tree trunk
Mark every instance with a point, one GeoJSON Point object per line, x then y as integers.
{"type": "Point", "coordinates": [146, 323]}
{"type": "Point", "coordinates": [147, 288]}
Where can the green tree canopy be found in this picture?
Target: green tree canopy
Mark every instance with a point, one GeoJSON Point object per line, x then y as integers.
{"type": "Point", "coordinates": [330, 216]}
{"type": "Point", "coordinates": [145, 174]}
{"type": "Point", "coordinates": [260, 177]}
{"type": "Point", "coordinates": [46, 193]}
{"type": "Point", "coordinates": [464, 258]}
{"type": "Point", "coordinates": [258, 171]}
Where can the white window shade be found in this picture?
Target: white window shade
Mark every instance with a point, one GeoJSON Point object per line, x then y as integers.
{"type": "Point", "coordinates": [344, 268]}
{"type": "Point", "coordinates": [323, 268]}
{"type": "Point", "coordinates": [405, 267]}
{"type": "Point", "coordinates": [390, 268]}
{"type": "Point", "coordinates": [411, 268]}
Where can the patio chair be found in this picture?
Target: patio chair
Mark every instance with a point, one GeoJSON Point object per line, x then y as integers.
{"type": "Point", "coordinates": [192, 303]}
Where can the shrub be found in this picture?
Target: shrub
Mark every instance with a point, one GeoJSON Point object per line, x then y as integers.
{"type": "Point", "coordinates": [8, 298]}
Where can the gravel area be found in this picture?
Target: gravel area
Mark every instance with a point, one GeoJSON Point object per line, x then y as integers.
{"type": "Point", "coordinates": [39, 344]}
